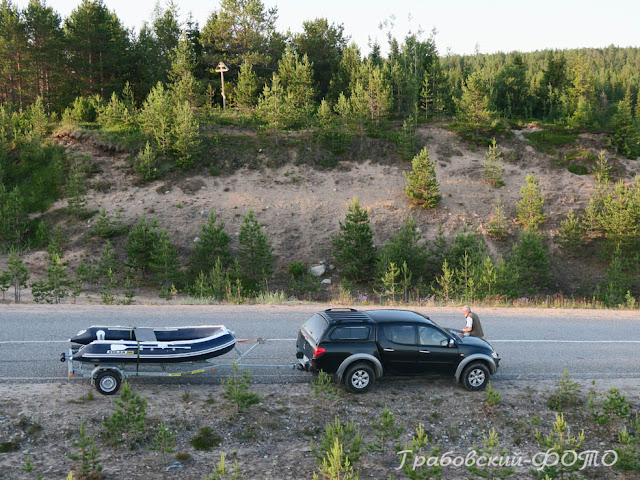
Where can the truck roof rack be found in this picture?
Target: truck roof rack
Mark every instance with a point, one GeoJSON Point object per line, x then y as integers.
{"type": "Point", "coordinates": [346, 314]}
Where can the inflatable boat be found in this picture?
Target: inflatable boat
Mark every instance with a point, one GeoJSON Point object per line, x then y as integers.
{"type": "Point", "coordinates": [102, 344]}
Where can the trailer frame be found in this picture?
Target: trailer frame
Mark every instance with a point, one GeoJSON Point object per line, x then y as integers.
{"type": "Point", "coordinates": [108, 377]}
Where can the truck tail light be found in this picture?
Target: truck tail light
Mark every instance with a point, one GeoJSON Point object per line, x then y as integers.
{"type": "Point", "coordinates": [318, 352]}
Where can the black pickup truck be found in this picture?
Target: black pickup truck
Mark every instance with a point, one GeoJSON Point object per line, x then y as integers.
{"type": "Point", "coordinates": [361, 346]}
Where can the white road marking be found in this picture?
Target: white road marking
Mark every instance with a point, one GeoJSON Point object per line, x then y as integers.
{"type": "Point", "coordinates": [564, 341]}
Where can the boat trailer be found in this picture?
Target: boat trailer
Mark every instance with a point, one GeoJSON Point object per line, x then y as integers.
{"type": "Point", "coordinates": [108, 377]}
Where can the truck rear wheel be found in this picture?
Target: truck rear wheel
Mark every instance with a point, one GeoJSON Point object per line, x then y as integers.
{"type": "Point", "coordinates": [359, 377]}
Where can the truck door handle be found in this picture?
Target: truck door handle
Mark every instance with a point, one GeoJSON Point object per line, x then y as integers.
{"type": "Point", "coordinates": [388, 349]}
{"type": "Point", "coordinates": [425, 351]}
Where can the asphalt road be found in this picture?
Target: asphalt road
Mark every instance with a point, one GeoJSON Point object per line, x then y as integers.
{"type": "Point", "coordinates": [534, 344]}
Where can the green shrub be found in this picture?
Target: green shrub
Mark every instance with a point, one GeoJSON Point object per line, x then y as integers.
{"type": "Point", "coordinates": [323, 386]}
{"type": "Point", "coordinates": [629, 440]}
{"type": "Point", "coordinates": [84, 110]}
{"type": "Point", "coordinates": [613, 405]}
{"type": "Point", "coordinates": [387, 432]}
{"type": "Point", "coordinates": [164, 440]}
{"type": "Point", "coordinates": [578, 169]}
{"type": "Point", "coordinates": [490, 450]}
{"type": "Point", "coordinates": [222, 472]}
{"type": "Point", "coordinates": [106, 226]}
{"type": "Point", "coordinates": [335, 464]}
{"type": "Point", "coordinates": [566, 393]}
{"type": "Point", "coordinates": [417, 449]}
{"type": "Point", "coordinates": [128, 423]}
{"type": "Point", "coordinates": [88, 456]}
{"type": "Point", "coordinates": [491, 396]}
{"type": "Point", "coordinates": [205, 440]}
{"type": "Point", "coordinates": [346, 435]}
{"type": "Point", "coordinates": [560, 441]}
{"type": "Point", "coordinates": [237, 389]}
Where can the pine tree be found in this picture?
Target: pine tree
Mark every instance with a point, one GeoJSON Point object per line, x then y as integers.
{"type": "Point", "coordinates": [107, 262]}
{"type": "Point", "coordinates": [97, 49]}
{"type": "Point", "coordinates": [581, 95]}
{"type": "Point", "coordinates": [409, 138]}
{"type": "Point", "coordinates": [390, 282]}
{"type": "Point", "coordinates": [529, 208]}
{"type": "Point", "coordinates": [156, 117]}
{"type": "Point", "coordinates": [13, 218]}
{"type": "Point", "coordinates": [165, 264]}
{"type": "Point", "coordinates": [76, 189]}
{"type": "Point", "coordinates": [186, 135]}
{"type": "Point", "coordinates": [246, 92]}
{"type": "Point", "coordinates": [498, 226]}
{"type": "Point", "coordinates": [17, 273]}
{"type": "Point", "coordinates": [404, 249]}
{"type": "Point", "coordinates": [13, 46]}
{"type": "Point", "coordinates": [212, 247]}
{"type": "Point", "coordinates": [43, 28]}
{"type": "Point", "coordinates": [427, 96]}
{"type": "Point", "coordinates": [493, 166]}
{"type": "Point", "coordinates": [183, 84]}
{"type": "Point", "coordinates": [422, 185]}
{"type": "Point", "coordinates": [272, 107]}
{"type": "Point", "coordinates": [530, 261]}
{"type": "Point", "coordinates": [353, 246]}
{"type": "Point", "coordinates": [570, 233]}
{"type": "Point", "coordinates": [57, 284]}
{"type": "Point", "coordinates": [296, 77]}
{"type": "Point", "coordinates": [625, 133]}
{"type": "Point", "coordinates": [141, 241]}
{"type": "Point", "coordinates": [618, 280]}
{"type": "Point", "coordinates": [378, 94]}
{"type": "Point", "coordinates": [473, 106]}
{"type": "Point", "coordinates": [38, 119]}
{"type": "Point", "coordinates": [145, 164]}
{"type": "Point", "coordinates": [255, 254]}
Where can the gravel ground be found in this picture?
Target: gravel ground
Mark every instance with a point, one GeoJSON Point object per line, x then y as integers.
{"type": "Point", "coordinates": [272, 438]}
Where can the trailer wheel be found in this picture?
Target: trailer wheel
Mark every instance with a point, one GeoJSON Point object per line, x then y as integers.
{"type": "Point", "coordinates": [107, 382]}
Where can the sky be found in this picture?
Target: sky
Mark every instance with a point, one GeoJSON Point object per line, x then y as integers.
{"type": "Point", "coordinates": [461, 25]}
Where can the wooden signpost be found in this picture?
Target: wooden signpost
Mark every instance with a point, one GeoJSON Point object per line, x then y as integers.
{"type": "Point", "coordinates": [222, 68]}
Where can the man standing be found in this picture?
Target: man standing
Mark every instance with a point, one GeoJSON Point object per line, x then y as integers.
{"type": "Point", "coordinates": [473, 322]}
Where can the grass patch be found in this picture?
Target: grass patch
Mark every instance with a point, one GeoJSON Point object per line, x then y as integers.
{"type": "Point", "coordinates": [127, 136]}
{"type": "Point", "coordinates": [578, 169]}
{"type": "Point", "coordinates": [7, 447]}
{"type": "Point", "coordinates": [579, 154]}
{"type": "Point", "coordinates": [546, 141]}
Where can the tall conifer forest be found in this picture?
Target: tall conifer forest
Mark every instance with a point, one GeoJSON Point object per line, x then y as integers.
{"type": "Point", "coordinates": [155, 93]}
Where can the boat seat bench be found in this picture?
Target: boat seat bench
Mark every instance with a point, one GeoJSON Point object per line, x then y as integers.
{"type": "Point", "coordinates": [145, 335]}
